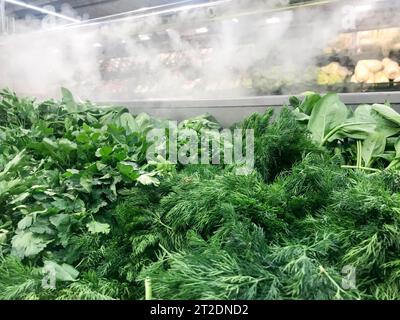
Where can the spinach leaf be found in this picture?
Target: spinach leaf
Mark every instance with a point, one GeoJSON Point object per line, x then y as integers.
{"type": "Point", "coordinates": [327, 114]}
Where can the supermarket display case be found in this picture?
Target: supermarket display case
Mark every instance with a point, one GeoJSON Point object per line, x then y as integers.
{"type": "Point", "coordinates": [369, 31]}
{"type": "Point", "coordinates": [232, 58]}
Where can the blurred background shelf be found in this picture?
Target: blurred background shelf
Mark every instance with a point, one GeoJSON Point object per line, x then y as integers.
{"type": "Point", "coordinates": [367, 29]}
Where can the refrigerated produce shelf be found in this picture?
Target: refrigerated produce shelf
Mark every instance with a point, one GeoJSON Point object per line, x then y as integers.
{"type": "Point", "coordinates": [230, 111]}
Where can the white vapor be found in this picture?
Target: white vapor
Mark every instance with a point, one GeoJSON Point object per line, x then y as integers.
{"type": "Point", "coordinates": [39, 63]}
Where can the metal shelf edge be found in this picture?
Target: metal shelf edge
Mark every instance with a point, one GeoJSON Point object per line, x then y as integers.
{"type": "Point", "coordinates": [259, 101]}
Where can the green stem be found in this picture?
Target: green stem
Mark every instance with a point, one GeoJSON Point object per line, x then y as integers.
{"type": "Point", "coordinates": [336, 129]}
{"type": "Point", "coordinates": [338, 288]}
{"type": "Point", "coordinates": [163, 224]}
{"type": "Point", "coordinates": [361, 168]}
{"type": "Point", "coordinates": [147, 289]}
{"type": "Point", "coordinates": [359, 157]}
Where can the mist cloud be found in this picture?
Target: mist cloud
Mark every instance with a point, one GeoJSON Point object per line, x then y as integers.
{"type": "Point", "coordinates": [39, 63]}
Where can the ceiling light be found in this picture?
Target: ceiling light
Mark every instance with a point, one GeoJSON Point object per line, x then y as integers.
{"type": "Point", "coordinates": [144, 37]}
{"type": "Point", "coordinates": [202, 30]}
{"type": "Point", "coordinates": [130, 15]}
{"type": "Point", "coordinates": [97, 45]}
{"type": "Point", "coordinates": [235, 20]}
{"type": "Point", "coordinates": [273, 20]}
{"type": "Point", "coordinates": [49, 12]}
{"type": "Point", "coordinates": [364, 8]}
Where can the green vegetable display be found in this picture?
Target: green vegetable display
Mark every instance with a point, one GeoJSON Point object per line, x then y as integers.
{"type": "Point", "coordinates": [84, 215]}
{"type": "Point", "coordinates": [368, 135]}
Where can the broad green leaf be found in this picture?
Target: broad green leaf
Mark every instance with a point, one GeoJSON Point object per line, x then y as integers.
{"type": "Point", "coordinates": [143, 120]}
{"type": "Point", "coordinates": [300, 116]}
{"type": "Point", "coordinates": [73, 171]}
{"type": "Point", "coordinates": [363, 123]}
{"type": "Point", "coordinates": [389, 156]}
{"type": "Point", "coordinates": [42, 126]}
{"type": "Point", "coordinates": [25, 222]}
{"type": "Point", "coordinates": [120, 153]}
{"type": "Point", "coordinates": [95, 136]}
{"type": "Point", "coordinates": [69, 101]}
{"type": "Point", "coordinates": [327, 114]}
{"type": "Point", "coordinates": [87, 128]}
{"type": "Point", "coordinates": [104, 152]}
{"type": "Point", "coordinates": [67, 145]}
{"type": "Point", "coordinates": [91, 169]}
{"type": "Point", "coordinates": [113, 186]}
{"type": "Point", "coordinates": [83, 138]}
{"type": "Point", "coordinates": [397, 148]}
{"type": "Point", "coordinates": [105, 177]}
{"type": "Point", "coordinates": [26, 244]}
{"type": "Point", "coordinates": [108, 118]}
{"type": "Point", "coordinates": [78, 205]}
{"type": "Point", "coordinates": [60, 204]}
{"type": "Point", "coordinates": [148, 179]}
{"type": "Point", "coordinates": [49, 143]}
{"type": "Point", "coordinates": [387, 112]}
{"type": "Point", "coordinates": [97, 206]}
{"type": "Point", "coordinates": [365, 113]}
{"type": "Point", "coordinates": [373, 146]}
{"type": "Point", "coordinates": [353, 130]}
{"type": "Point", "coordinates": [117, 133]}
{"type": "Point", "coordinates": [100, 166]}
{"type": "Point", "coordinates": [8, 187]}
{"type": "Point", "coordinates": [60, 219]}
{"type": "Point", "coordinates": [128, 122]}
{"type": "Point", "coordinates": [308, 103]}
{"type": "Point", "coordinates": [21, 197]}
{"type": "Point", "coordinates": [3, 236]}
{"type": "Point", "coordinates": [64, 272]}
{"type": "Point", "coordinates": [98, 227]}
{"type": "Point", "coordinates": [86, 183]}
{"type": "Point", "coordinates": [41, 226]}
{"type": "Point", "coordinates": [13, 163]}
{"type": "Point", "coordinates": [128, 169]}
{"type": "Point", "coordinates": [294, 102]}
